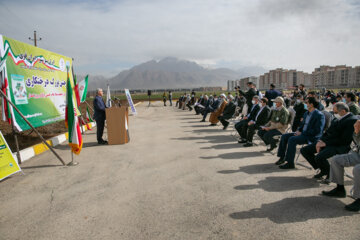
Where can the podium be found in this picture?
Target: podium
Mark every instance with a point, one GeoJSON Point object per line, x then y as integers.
{"type": "Point", "coordinates": [117, 121]}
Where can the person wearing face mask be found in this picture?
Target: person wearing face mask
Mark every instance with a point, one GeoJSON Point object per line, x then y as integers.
{"type": "Point", "coordinates": [279, 120]}
{"type": "Point", "coordinates": [242, 126]}
{"type": "Point", "coordinates": [310, 130]}
{"type": "Point", "coordinates": [299, 108]}
{"type": "Point", "coordinates": [336, 140]}
{"type": "Point", "coordinates": [351, 102]}
{"type": "Point", "coordinates": [211, 106]}
{"type": "Point", "coordinates": [220, 109]}
{"type": "Point", "coordinates": [337, 165]}
{"type": "Point", "coordinates": [261, 118]}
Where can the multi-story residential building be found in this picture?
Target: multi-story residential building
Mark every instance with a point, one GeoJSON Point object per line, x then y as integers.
{"type": "Point", "coordinates": [340, 76]}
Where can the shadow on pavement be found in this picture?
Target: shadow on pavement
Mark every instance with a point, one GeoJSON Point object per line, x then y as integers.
{"type": "Point", "coordinates": [255, 169]}
{"type": "Point", "coordinates": [209, 139]}
{"type": "Point", "coordinates": [210, 129]}
{"type": "Point", "coordinates": [235, 155]}
{"type": "Point", "coordinates": [224, 146]}
{"type": "Point", "coordinates": [281, 184]}
{"type": "Point", "coordinates": [299, 209]}
{"type": "Point", "coordinates": [42, 166]}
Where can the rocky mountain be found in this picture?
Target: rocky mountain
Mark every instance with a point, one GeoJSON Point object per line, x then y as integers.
{"type": "Point", "coordinates": [169, 72]}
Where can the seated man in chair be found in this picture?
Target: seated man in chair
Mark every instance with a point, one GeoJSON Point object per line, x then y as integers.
{"type": "Point", "coordinates": [242, 126]}
{"type": "Point", "coordinates": [278, 124]}
{"type": "Point", "coordinates": [262, 118]}
{"type": "Point", "coordinates": [310, 130]}
{"type": "Point", "coordinates": [337, 165]}
{"type": "Point", "coordinates": [336, 140]}
{"type": "Point", "coordinates": [228, 113]}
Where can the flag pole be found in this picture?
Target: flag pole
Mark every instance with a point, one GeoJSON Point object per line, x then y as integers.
{"type": "Point", "coordinates": [72, 163]}
{"type": "Point", "coordinates": [89, 106]}
{"type": "Point", "coordinates": [33, 128]}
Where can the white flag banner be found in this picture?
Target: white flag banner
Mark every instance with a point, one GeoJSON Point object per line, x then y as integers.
{"type": "Point", "coordinates": [130, 101]}
{"type": "Point", "coordinates": [83, 85]}
{"type": "Point", "coordinates": [108, 97]}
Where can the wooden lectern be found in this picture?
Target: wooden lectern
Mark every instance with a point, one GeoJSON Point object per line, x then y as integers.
{"type": "Point", "coordinates": [117, 120]}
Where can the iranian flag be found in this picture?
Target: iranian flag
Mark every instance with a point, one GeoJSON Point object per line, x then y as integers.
{"type": "Point", "coordinates": [72, 121]}
{"type": "Point", "coordinates": [82, 88]}
{"type": "Point", "coordinates": [88, 115]}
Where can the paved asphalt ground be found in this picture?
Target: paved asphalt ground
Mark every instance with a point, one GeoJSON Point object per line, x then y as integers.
{"type": "Point", "coordinates": [176, 179]}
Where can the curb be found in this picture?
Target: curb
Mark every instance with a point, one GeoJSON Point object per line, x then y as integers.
{"type": "Point", "coordinates": [37, 149]}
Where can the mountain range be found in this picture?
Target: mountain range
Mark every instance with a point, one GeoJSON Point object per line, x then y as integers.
{"type": "Point", "coordinates": [171, 72]}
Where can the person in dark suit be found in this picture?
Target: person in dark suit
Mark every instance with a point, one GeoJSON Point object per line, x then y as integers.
{"type": "Point", "coordinates": [249, 95]}
{"type": "Point", "coordinates": [310, 130]}
{"type": "Point", "coordinates": [336, 140]}
{"type": "Point", "coordinates": [271, 94]}
{"type": "Point", "coordinates": [242, 126]}
{"type": "Point", "coordinates": [99, 115]}
{"type": "Point", "coordinates": [262, 118]}
{"type": "Point", "coordinates": [228, 113]}
{"type": "Point", "coordinates": [211, 107]}
{"type": "Point", "coordinates": [320, 107]}
{"type": "Point", "coordinates": [300, 110]}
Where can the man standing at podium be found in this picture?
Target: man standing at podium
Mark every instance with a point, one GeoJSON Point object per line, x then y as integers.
{"type": "Point", "coordinates": [99, 115]}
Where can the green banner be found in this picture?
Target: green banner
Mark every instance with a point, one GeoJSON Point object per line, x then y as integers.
{"type": "Point", "coordinates": [8, 164]}
{"type": "Point", "coordinates": [36, 82]}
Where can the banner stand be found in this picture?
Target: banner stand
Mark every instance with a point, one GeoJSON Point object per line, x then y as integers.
{"type": "Point", "coordinates": [30, 125]}
{"type": "Point", "coordinates": [16, 141]}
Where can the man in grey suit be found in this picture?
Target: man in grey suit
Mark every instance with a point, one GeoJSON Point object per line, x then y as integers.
{"type": "Point", "coordinates": [337, 165]}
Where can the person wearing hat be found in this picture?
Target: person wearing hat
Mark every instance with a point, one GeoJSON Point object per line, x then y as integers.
{"type": "Point", "coordinates": [310, 131]}
{"type": "Point", "coordinates": [279, 120]}
{"type": "Point", "coordinates": [228, 113]}
{"type": "Point", "coordinates": [215, 114]}
{"type": "Point", "coordinates": [249, 94]}
{"type": "Point", "coordinates": [271, 94]}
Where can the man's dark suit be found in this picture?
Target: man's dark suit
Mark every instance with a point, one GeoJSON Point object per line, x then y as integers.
{"type": "Point", "coordinates": [272, 94]}
{"type": "Point", "coordinates": [312, 133]}
{"type": "Point", "coordinates": [99, 116]}
{"type": "Point", "coordinates": [249, 96]}
{"type": "Point", "coordinates": [261, 119]}
{"type": "Point", "coordinates": [337, 139]}
{"type": "Point", "coordinates": [229, 111]}
{"type": "Point", "coordinates": [242, 126]}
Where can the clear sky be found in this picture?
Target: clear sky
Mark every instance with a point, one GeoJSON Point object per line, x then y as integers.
{"type": "Point", "coordinates": [105, 37]}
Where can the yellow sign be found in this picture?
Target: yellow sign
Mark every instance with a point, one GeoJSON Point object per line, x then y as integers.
{"type": "Point", "coordinates": [8, 164]}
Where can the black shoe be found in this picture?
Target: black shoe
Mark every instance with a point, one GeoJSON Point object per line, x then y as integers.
{"type": "Point", "coordinates": [319, 175]}
{"type": "Point", "coordinates": [280, 161]}
{"type": "Point", "coordinates": [271, 148]}
{"type": "Point", "coordinates": [287, 166]}
{"type": "Point", "coordinates": [202, 120]}
{"type": "Point", "coordinates": [242, 141]}
{"type": "Point", "coordinates": [225, 127]}
{"type": "Point", "coordinates": [103, 142]}
{"type": "Point", "coordinates": [248, 144]}
{"type": "Point", "coordinates": [213, 124]}
{"type": "Point", "coordinates": [335, 193]}
{"type": "Point", "coordinates": [353, 207]}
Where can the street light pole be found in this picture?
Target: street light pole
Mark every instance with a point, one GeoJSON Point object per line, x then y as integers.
{"type": "Point", "coordinates": [35, 39]}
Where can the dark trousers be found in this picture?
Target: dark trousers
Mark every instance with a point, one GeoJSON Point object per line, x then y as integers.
{"type": "Point", "coordinates": [206, 111]}
{"type": "Point", "coordinates": [241, 127]}
{"type": "Point", "coordinates": [287, 147]}
{"type": "Point", "coordinates": [223, 121]}
{"type": "Point", "coordinates": [321, 159]}
{"type": "Point", "coordinates": [189, 106]}
{"type": "Point", "coordinates": [250, 132]}
{"type": "Point", "coordinates": [170, 100]}
{"type": "Point", "coordinates": [100, 129]}
{"type": "Point", "coordinates": [268, 136]}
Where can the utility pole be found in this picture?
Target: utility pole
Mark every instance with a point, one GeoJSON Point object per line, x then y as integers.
{"type": "Point", "coordinates": [35, 39]}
